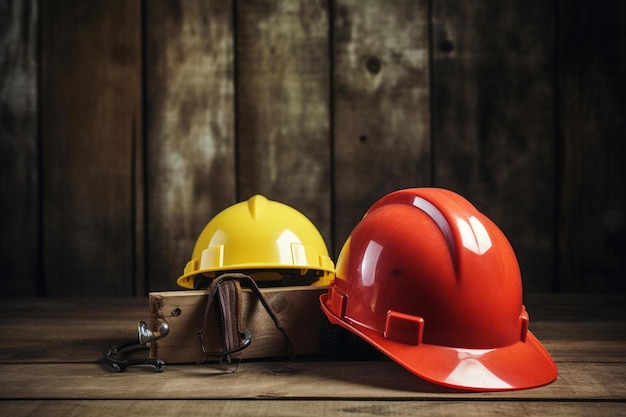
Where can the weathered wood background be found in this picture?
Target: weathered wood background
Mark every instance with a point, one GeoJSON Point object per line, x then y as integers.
{"type": "Point", "coordinates": [125, 125]}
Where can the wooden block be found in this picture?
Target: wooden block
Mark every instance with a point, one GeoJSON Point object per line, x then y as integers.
{"type": "Point", "coordinates": [297, 309]}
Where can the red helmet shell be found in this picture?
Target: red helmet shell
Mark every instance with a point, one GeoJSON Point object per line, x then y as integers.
{"type": "Point", "coordinates": [433, 283]}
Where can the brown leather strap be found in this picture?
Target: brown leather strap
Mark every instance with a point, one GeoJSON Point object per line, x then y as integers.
{"type": "Point", "coordinates": [229, 297]}
{"type": "Point", "coordinates": [227, 287]}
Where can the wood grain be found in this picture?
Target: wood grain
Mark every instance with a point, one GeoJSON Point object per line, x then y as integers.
{"type": "Point", "coordinates": [296, 408]}
{"type": "Point", "coordinates": [590, 346]}
{"type": "Point", "coordinates": [572, 328]}
{"type": "Point", "coordinates": [592, 100]}
{"type": "Point", "coordinates": [381, 105]}
{"type": "Point", "coordinates": [127, 125]}
{"type": "Point", "coordinates": [494, 120]}
{"type": "Point", "coordinates": [90, 120]}
{"type": "Point", "coordinates": [19, 150]}
{"type": "Point", "coordinates": [40, 378]}
{"type": "Point", "coordinates": [282, 106]}
{"type": "Point", "coordinates": [297, 309]}
{"type": "Point", "coordinates": [190, 157]}
{"type": "Point", "coordinates": [357, 380]}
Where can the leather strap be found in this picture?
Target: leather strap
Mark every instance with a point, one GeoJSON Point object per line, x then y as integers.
{"type": "Point", "coordinates": [227, 287]}
{"type": "Point", "coordinates": [229, 297]}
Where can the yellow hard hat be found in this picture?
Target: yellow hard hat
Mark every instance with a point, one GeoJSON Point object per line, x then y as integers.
{"type": "Point", "coordinates": [266, 239]}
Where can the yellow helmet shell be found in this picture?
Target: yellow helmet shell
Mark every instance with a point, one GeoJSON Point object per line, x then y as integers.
{"type": "Point", "coordinates": [259, 234]}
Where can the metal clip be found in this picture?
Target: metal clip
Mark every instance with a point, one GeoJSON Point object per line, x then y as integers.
{"type": "Point", "coordinates": [145, 335]}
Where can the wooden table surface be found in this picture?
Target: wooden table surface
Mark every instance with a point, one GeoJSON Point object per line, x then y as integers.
{"type": "Point", "coordinates": [51, 365]}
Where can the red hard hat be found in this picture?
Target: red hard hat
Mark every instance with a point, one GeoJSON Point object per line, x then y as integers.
{"type": "Point", "coordinates": [434, 284]}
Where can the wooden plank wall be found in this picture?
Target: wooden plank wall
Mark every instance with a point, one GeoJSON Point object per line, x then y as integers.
{"type": "Point", "coordinates": [592, 133]}
{"type": "Point", "coordinates": [90, 119]}
{"type": "Point", "coordinates": [126, 125]}
{"type": "Point", "coordinates": [19, 151]}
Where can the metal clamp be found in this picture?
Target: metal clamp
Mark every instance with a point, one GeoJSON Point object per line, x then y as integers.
{"type": "Point", "coordinates": [145, 335]}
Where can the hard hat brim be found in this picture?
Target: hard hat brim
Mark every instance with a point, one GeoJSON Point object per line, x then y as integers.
{"type": "Point", "coordinates": [522, 365]}
{"type": "Point", "coordinates": [187, 280]}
